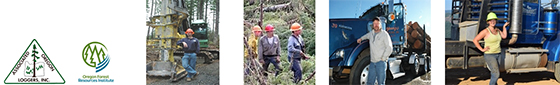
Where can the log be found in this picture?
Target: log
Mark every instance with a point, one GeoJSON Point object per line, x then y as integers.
{"type": "Point", "coordinates": [276, 7]}
{"type": "Point", "coordinates": [417, 37]}
{"type": "Point", "coordinates": [418, 44]}
{"type": "Point", "coordinates": [310, 76]}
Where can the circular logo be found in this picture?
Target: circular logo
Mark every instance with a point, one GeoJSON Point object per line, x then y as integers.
{"type": "Point", "coordinates": [95, 54]}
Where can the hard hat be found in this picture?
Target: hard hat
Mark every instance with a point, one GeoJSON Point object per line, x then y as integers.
{"type": "Point", "coordinates": [256, 28]}
{"type": "Point", "coordinates": [189, 31]}
{"type": "Point", "coordinates": [491, 16]}
{"type": "Point", "coordinates": [295, 27]}
{"type": "Point", "coordinates": [269, 28]}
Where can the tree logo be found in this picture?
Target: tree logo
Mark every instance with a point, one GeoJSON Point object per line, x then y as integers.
{"type": "Point", "coordinates": [95, 55]}
{"type": "Point", "coordinates": [37, 68]}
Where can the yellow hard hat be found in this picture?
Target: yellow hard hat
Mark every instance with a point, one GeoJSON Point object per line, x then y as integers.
{"type": "Point", "coordinates": [491, 16]}
{"type": "Point", "coordinates": [257, 28]}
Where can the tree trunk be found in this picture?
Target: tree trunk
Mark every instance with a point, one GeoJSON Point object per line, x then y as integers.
{"type": "Point", "coordinates": [261, 8]}
{"type": "Point", "coordinates": [276, 7]}
{"type": "Point", "coordinates": [34, 59]}
{"type": "Point", "coordinates": [217, 21]}
{"type": "Point", "coordinates": [206, 11]}
{"type": "Point", "coordinates": [151, 11]}
{"type": "Point", "coordinates": [34, 68]}
{"type": "Point", "coordinates": [200, 9]}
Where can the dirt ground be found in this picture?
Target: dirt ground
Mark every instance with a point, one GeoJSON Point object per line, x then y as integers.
{"type": "Point", "coordinates": [481, 76]}
{"type": "Point", "coordinates": [421, 80]}
{"type": "Point", "coordinates": [208, 75]}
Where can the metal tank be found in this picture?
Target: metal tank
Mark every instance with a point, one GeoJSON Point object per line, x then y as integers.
{"type": "Point", "coordinates": [550, 21]}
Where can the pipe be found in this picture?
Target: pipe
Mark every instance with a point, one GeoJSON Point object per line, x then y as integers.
{"type": "Point", "coordinates": [517, 17]}
{"type": "Point", "coordinates": [391, 3]}
{"type": "Point", "coordinates": [516, 20]}
{"type": "Point", "coordinates": [458, 62]}
{"type": "Point", "coordinates": [513, 39]}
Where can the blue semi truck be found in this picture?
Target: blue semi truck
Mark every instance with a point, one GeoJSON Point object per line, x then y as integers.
{"type": "Point", "coordinates": [349, 60]}
{"type": "Point", "coordinates": [532, 44]}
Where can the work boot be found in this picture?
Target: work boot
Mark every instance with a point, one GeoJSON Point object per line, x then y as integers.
{"type": "Point", "coordinates": [189, 79]}
{"type": "Point", "coordinates": [195, 75]}
{"type": "Point", "coordinates": [277, 72]}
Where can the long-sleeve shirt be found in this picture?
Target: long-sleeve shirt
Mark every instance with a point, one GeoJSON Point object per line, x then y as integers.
{"type": "Point", "coordinates": [253, 41]}
{"type": "Point", "coordinates": [193, 45]}
{"type": "Point", "coordinates": [268, 48]}
{"type": "Point", "coordinates": [380, 45]}
{"type": "Point", "coordinates": [295, 46]}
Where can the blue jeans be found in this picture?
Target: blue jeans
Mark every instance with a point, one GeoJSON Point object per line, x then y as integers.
{"type": "Point", "coordinates": [296, 68]}
{"type": "Point", "coordinates": [492, 62]}
{"type": "Point", "coordinates": [268, 60]}
{"type": "Point", "coordinates": [189, 63]}
{"type": "Point", "coordinates": [377, 73]}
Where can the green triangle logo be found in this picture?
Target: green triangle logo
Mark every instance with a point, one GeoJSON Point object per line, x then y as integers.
{"type": "Point", "coordinates": [34, 67]}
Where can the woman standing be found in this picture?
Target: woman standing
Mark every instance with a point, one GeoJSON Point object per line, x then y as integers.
{"type": "Point", "coordinates": [492, 38]}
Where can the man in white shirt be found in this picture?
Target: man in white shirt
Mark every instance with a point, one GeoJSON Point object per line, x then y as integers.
{"type": "Point", "coordinates": [269, 50]}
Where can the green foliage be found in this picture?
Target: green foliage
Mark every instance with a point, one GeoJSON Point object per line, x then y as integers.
{"type": "Point", "coordinates": [147, 6]}
{"type": "Point", "coordinates": [34, 55]}
{"type": "Point", "coordinates": [41, 66]}
{"type": "Point", "coordinates": [286, 75]}
{"type": "Point", "coordinates": [28, 70]}
{"type": "Point", "coordinates": [281, 20]}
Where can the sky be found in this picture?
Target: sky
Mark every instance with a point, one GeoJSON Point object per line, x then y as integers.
{"type": "Point", "coordinates": [418, 10]}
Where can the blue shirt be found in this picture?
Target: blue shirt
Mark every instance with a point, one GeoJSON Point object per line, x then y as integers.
{"type": "Point", "coordinates": [295, 45]}
{"type": "Point", "coordinates": [193, 45]}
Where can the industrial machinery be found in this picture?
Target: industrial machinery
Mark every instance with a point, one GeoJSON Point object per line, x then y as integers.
{"type": "Point", "coordinates": [532, 44]}
{"type": "Point", "coordinates": [350, 60]}
{"type": "Point", "coordinates": [201, 33]}
{"type": "Point", "coordinates": [168, 28]}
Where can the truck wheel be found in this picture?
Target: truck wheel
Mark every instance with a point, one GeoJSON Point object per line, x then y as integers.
{"type": "Point", "coordinates": [425, 68]}
{"type": "Point", "coordinates": [428, 63]}
{"type": "Point", "coordinates": [359, 72]}
{"type": "Point", "coordinates": [557, 72]}
{"type": "Point", "coordinates": [415, 68]}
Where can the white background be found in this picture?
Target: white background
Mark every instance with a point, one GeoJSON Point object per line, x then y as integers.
{"type": "Point", "coordinates": [64, 27]}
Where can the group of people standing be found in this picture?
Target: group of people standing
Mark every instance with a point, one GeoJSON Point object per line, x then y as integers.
{"type": "Point", "coordinates": [267, 49]}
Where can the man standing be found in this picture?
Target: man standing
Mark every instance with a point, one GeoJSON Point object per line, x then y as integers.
{"type": "Point", "coordinates": [296, 51]}
{"type": "Point", "coordinates": [381, 47]}
{"type": "Point", "coordinates": [190, 47]}
{"type": "Point", "coordinates": [269, 49]}
{"type": "Point", "coordinates": [253, 42]}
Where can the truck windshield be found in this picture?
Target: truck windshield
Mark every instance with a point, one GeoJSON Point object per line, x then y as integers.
{"type": "Point", "coordinates": [378, 11]}
{"type": "Point", "coordinates": [199, 31]}
{"type": "Point", "coordinates": [532, 1]}
{"type": "Point", "coordinates": [397, 10]}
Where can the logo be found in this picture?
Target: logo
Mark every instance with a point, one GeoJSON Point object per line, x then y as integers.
{"type": "Point", "coordinates": [95, 52]}
{"type": "Point", "coordinates": [527, 10]}
{"type": "Point", "coordinates": [34, 67]}
{"type": "Point", "coordinates": [96, 55]}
